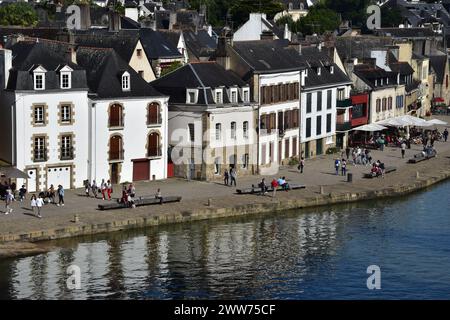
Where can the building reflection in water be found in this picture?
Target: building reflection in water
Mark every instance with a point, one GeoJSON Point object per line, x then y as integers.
{"type": "Point", "coordinates": [223, 259]}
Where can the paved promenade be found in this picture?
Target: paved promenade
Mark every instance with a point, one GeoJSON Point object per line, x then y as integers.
{"type": "Point", "coordinates": [318, 172]}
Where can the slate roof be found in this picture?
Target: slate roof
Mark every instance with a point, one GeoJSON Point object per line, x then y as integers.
{"type": "Point", "coordinates": [401, 67]}
{"type": "Point", "coordinates": [360, 47]}
{"type": "Point", "coordinates": [51, 55]}
{"type": "Point", "coordinates": [156, 46]}
{"type": "Point", "coordinates": [206, 76]}
{"type": "Point", "coordinates": [123, 42]}
{"type": "Point", "coordinates": [438, 63]}
{"type": "Point", "coordinates": [172, 36]}
{"type": "Point", "coordinates": [199, 43]}
{"type": "Point", "coordinates": [405, 32]}
{"type": "Point", "coordinates": [104, 69]}
{"type": "Point", "coordinates": [369, 74]}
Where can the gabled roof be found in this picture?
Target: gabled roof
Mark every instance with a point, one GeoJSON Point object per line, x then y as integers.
{"type": "Point", "coordinates": [439, 63]}
{"type": "Point", "coordinates": [123, 42]}
{"type": "Point", "coordinates": [156, 46]}
{"type": "Point", "coordinates": [269, 56]}
{"type": "Point", "coordinates": [104, 69]}
{"type": "Point", "coordinates": [205, 76]}
{"type": "Point", "coordinates": [401, 67]}
{"type": "Point", "coordinates": [359, 47]}
{"type": "Point", "coordinates": [199, 43]}
{"type": "Point", "coordinates": [406, 32]}
{"type": "Point", "coordinates": [369, 74]}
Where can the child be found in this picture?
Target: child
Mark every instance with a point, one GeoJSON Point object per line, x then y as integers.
{"type": "Point", "coordinates": [33, 204]}
{"type": "Point", "coordinates": [39, 204]}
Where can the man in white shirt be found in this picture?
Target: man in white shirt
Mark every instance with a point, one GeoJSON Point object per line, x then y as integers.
{"type": "Point", "coordinates": [39, 205]}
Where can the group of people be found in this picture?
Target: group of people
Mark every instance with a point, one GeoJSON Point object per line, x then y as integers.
{"type": "Point", "coordinates": [36, 202]}
{"type": "Point", "coordinates": [378, 169]}
{"type": "Point", "coordinates": [359, 156]}
{"type": "Point", "coordinates": [105, 189]}
{"type": "Point", "coordinates": [280, 182]}
{"type": "Point", "coordinates": [229, 177]}
{"type": "Point", "coordinates": [128, 195]}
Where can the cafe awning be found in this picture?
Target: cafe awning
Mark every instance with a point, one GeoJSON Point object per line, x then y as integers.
{"type": "Point", "coordinates": [439, 100]}
{"type": "Point", "coordinates": [370, 127]}
{"type": "Point", "coordinates": [12, 173]}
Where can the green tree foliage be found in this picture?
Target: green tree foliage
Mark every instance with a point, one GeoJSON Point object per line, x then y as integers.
{"type": "Point", "coordinates": [18, 14]}
{"type": "Point", "coordinates": [318, 20]}
{"type": "Point", "coordinates": [390, 17]}
{"type": "Point", "coordinates": [351, 10]}
{"type": "Point", "coordinates": [239, 9]}
{"type": "Point", "coordinates": [173, 66]}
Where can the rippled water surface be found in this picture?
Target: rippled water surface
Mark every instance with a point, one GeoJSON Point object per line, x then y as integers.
{"type": "Point", "coordinates": [313, 254]}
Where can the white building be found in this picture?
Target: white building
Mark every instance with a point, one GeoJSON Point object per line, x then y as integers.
{"type": "Point", "coordinates": [324, 87]}
{"type": "Point", "coordinates": [211, 121]}
{"type": "Point", "coordinates": [257, 25]}
{"type": "Point", "coordinates": [67, 122]}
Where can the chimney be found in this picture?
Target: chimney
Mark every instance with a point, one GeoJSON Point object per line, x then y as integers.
{"type": "Point", "coordinates": [172, 20]}
{"type": "Point", "coordinates": [222, 56]}
{"type": "Point", "coordinates": [72, 48]}
{"type": "Point", "coordinates": [303, 77]}
{"type": "Point", "coordinates": [85, 19]}
{"type": "Point", "coordinates": [5, 67]}
{"type": "Point", "coordinates": [114, 21]}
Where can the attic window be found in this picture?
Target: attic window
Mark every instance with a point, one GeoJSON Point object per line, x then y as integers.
{"type": "Point", "coordinates": [319, 71]}
{"type": "Point", "coordinates": [125, 81]}
{"type": "Point", "coordinates": [66, 77]}
{"type": "Point", "coordinates": [191, 96]}
{"type": "Point", "coordinates": [39, 78]}
{"type": "Point", "coordinates": [246, 95]}
{"type": "Point", "coordinates": [218, 96]}
{"type": "Point", "coordinates": [139, 52]}
{"type": "Point", "coordinates": [331, 69]}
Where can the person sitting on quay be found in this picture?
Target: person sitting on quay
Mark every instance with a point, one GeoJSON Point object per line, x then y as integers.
{"type": "Point", "coordinates": [283, 184]}
{"type": "Point", "coordinates": [376, 170]}
{"type": "Point", "coordinates": [262, 185]}
{"type": "Point", "coordinates": [158, 195]}
{"type": "Point", "coordinates": [124, 198]}
{"type": "Point", "coordinates": [51, 194]}
{"type": "Point", "coordinates": [131, 190]}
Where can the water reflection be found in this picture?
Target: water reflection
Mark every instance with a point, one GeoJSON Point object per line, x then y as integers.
{"type": "Point", "coordinates": [283, 256]}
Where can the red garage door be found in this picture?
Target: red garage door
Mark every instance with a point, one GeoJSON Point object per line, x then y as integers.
{"type": "Point", "coordinates": [141, 170]}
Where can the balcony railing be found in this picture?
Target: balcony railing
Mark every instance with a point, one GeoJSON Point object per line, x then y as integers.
{"type": "Point", "coordinates": [116, 155]}
{"type": "Point", "coordinates": [343, 126]}
{"type": "Point", "coordinates": [67, 153]}
{"type": "Point", "coordinates": [40, 155]}
{"type": "Point", "coordinates": [345, 103]}
{"type": "Point", "coordinates": [154, 152]}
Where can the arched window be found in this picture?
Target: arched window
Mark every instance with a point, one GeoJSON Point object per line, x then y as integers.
{"type": "Point", "coordinates": [116, 115]}
{"type": "Point", "coordinates": [154, 147]}
{"type": "Point", "coordinates": [125, 81]}
{"type": "Point", "coordinates": [154, 113]}
{"type": "Point", "coordinates": [115, 148]}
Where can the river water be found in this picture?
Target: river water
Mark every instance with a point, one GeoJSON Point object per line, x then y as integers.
{"type": "Point", "coordinates": [307, 254]}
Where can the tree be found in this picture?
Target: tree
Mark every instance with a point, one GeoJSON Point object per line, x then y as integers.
{"type": "Point", "coordinates": [18, 14]}
{"type": "Point", "coordinates": [351, 10]}
{"type": "Point", "coordinates": [318, 20]}
{"type": "Point", "coordinates": [391, 17]}
{"type": "Point", "coordinates": [173, 66]}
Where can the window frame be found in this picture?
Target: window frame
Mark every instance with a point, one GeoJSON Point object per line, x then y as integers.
{"type": "Point", "coordinates": [126, 81]}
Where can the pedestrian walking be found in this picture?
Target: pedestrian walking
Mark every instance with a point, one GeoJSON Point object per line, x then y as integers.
{"type": "Point", "coordinates": [103, 189]}
{"type": "Point", "coordinates": [263, 187]}
{"type": "Point", "coordinates": [274, 185]}
{"type": "Point", "coordinates": [22, 193]}
{"type": "Point", "coordinates": [347, 152]}
{"type": "Point", "coordinates": [60, 196]}
{"type": "Point", "coordinates": [87, 187]}
{"type": "Point", "coordinates": [343, 166]}
{"type": "Point", "coordinates": [94, 188]}
{"type": "Point", "coordinates": [226, 177]}
{"type": "Point", "coordinates": [337, 164]}
{"type": "Point", "coordinates": [33, 204]}
{"type": "Point", "coordinates": [445, 134]}
{"type": "Point", "coordinates": [9, 198]}
{"type": "Point", "coordinates": [39, 205]}
{"type": "Point", "coordinates": [301, 165]}
{"type": "Point", "coordinates": [233, 176]}
{"type": "Point", "coordinates": [403, 146]}
{"type": "Point", "coordinates": [109, 189]}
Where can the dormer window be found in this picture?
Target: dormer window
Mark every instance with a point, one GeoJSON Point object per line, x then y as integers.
{"type": "Point", "coordinates": [218, 96]}
{"type": "Point", "coordinates": [376, 82]}
{"type": "Point", "coordinates": [246, 95]}
{"type": "Point", "coordinates": [332, 69]}
{"type": "Point", "coordinates": [319, 71]}
{"type": "Point", "coordinates": [66, 77]}
{"type": "Point", "coordinates": [191, 96]}
{"type": "Point", "coordinates": [39, 78]}
{"type": "Point", "coordinates": [125, 81]}
{"type": "Point", "coordinates": [234, 96]}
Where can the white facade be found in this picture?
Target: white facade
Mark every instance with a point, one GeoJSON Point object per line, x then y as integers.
{"type": "Point", "coordinates": [43, 173]}
{"type": "Point", "coordinates": [252, 29]}
{"type": "Point", "coordinates": [134, 134]}
{"type": "Point", "coordinates": [269, 142]}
